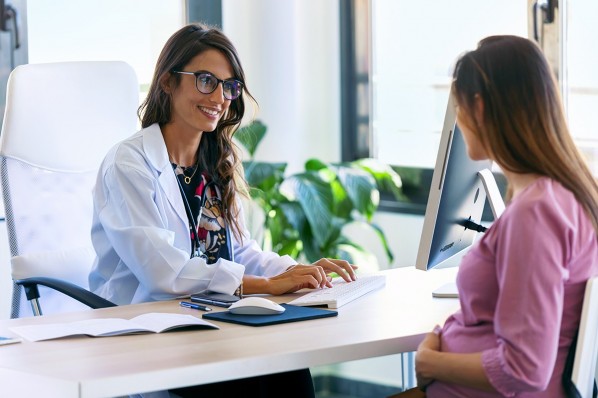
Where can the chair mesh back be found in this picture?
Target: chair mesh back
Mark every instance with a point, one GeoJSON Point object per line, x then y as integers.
{"type": "Point", "coordinates": [46, 199]}
{"type": "Point", "coordinates": [14, 248]}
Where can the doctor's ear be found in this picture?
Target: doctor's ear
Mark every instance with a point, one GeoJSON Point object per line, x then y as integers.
{"type": "Point", "coordinates": [166, 83]}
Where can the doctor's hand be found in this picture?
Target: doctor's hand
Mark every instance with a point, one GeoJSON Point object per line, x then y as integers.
{"type": "Point", "coordinates": [341, 267]}
{"type": "Point", "coordinates": [298, 277]}
{"type": "Point", "coordinates": [430, 343]}
{"type": "Point", "coordinates": [312, 276]}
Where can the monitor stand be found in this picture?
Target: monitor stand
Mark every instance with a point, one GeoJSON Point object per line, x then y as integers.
{"type": "Point", "coordinates": [497, 205]}
{"type": "Point", "coordinates": [492, 192]}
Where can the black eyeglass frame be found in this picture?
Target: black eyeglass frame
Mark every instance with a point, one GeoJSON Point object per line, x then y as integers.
{"type": "Point", "coordinates": [203, 72]}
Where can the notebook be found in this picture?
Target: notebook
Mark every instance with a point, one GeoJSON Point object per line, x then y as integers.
{"type": "Point", "coordinates": [292, 313]}
{"type": "Point", "coordinates": [155, 322]}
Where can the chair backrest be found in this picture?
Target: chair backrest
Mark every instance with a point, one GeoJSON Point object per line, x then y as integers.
{"type": "Point", "coordinates": [60, 121]}
{"type": "Point", "coordinates": [586, 349]}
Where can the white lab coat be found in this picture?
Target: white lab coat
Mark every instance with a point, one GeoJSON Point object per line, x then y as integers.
{"type": "Point", "coordinates": [141, 236]}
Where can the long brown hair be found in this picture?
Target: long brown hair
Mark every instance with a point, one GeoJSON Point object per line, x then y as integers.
{"type": "Point", "coordinates": [217, 154]}
{"type": "Point", "coordinates": [524, 127]}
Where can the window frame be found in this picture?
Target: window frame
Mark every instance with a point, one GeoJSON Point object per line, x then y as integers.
{"type": "Point", "coordinates": [208, 12]}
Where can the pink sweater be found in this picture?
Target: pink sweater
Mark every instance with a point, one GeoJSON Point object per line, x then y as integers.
{"type": "Point", "coordinates": [521, 290]}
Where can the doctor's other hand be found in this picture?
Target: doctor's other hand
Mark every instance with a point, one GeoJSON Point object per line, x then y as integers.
{"type": "Point", "coordinates": [312, 276]}
{"type": "Point", "coordinates": [341, 267]}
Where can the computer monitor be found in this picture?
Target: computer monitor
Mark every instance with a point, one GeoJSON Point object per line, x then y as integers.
{"type": "Point", "coordinates": [456, 201]}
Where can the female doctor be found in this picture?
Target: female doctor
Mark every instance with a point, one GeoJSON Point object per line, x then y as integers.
{"type": "Point", "coordinates": [167, 215]}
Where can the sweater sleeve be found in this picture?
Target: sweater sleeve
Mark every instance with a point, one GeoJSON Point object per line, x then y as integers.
{"type": "Point", "coordinates": [531, 246]}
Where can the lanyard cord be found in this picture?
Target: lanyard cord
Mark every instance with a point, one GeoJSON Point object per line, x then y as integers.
{"type": "Point", "coordinates": [196, 252]}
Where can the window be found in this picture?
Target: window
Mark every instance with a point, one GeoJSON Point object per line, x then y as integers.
{"type": "Point", "coordinates": [580, 79]}
{"type": "Point", "coordinates": [414, 46]}
{"type": "Point", "coordinates": [564, 29]}
{"type": "Point", "coordinates": [401, 76]}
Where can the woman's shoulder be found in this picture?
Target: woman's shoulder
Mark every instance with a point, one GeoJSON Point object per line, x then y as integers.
{"type": "Point", "coordinates": [145, 143]}
{"type": "Point", "coordinates": [136, 152]}
{"type": "Point", "coordinates": [548, 192]}
{"type": "Point", "coordinates": [128, 148]}
{"type": "Point", "coordinates": [547, 201]}
{"type": "Point", "coordinates": [545, 217]}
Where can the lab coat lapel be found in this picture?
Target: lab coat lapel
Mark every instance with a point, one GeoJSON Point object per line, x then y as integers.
{"type": "Point", "coordinates": [157, 155]}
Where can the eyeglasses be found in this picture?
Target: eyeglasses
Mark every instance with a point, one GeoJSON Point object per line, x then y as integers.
{"type": "Point", "coordinates": [206, 83]}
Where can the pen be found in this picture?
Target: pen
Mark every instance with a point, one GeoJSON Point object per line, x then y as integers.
{"type": "Point", "coordinates": [194, 306]}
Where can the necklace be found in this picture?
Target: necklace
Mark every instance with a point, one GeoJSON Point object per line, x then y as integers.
{"type": "Point", "coordinates": [187, 178]}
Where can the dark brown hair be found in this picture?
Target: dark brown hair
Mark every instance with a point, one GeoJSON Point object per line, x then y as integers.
{"type": "Point", "coordinates": [524, 127]}
{"type": "Point", "coordinates": [217, 152]}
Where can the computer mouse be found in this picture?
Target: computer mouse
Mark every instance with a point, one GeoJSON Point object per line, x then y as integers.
{"type": "Point", "coordinates": [255, 306]}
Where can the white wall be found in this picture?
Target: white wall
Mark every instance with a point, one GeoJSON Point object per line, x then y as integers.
{"type": "Point", "coordinates": [290, 53]}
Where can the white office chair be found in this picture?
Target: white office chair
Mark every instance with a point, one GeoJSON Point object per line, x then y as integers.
{"type": "Point", "coordinates": [579, 380]}
{"type": "Point", "coordinates": [60, 121]}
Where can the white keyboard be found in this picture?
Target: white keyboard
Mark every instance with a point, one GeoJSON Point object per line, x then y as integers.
{"type": "Point", "coordinates": [341, 292]}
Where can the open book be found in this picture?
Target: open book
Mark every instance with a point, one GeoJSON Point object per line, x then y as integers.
{"type": "Point", "coordinates": [155, 322]}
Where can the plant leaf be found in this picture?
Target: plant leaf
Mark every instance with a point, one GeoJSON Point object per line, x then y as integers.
{"type": "Point", "coordinates": [264, 175]}
{"type": "Point", "coordinates": [343, 206]}
{"type": "Point", "coordinates": [386, 178]}
{"type": "Point", "coordinates": [359, 256]}
{"type": "Point", "coordinates": [315, 165]}
{"type": "Point", "coordinates": [361, 189]}
{"type": "Point", "coordinates": [381, 236]}
{"type": "Point", "coordinates": [311, 251]}
{"type": "Point", "coordinates": [250, 136]}
{"type": "Point", "coordinates": [290, 248]}
{"type": "Point", "coordinates": [315, 198]}
{"type": "Point", "coordinates": [294, 214]}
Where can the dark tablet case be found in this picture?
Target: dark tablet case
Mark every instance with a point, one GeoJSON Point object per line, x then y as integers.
{"type": "Point", "coordinates": [292, 313]}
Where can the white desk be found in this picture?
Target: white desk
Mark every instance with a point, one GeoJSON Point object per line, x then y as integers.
{"type": "Point", "coordinates": [388, 321]}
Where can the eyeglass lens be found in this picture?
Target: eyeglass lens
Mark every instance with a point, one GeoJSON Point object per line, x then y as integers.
{"type": "Point", "coordinates": [206, 83]}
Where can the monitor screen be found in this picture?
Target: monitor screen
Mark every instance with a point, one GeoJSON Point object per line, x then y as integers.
{"type": "Point", "coordinates": [457, 197]}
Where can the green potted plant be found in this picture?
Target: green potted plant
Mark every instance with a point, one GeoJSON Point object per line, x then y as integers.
{"type": "Point", "coordinates": [306, 214]}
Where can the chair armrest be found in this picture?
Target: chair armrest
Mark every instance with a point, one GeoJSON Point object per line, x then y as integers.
{"type": "Point", "coordinates": [76, 292]}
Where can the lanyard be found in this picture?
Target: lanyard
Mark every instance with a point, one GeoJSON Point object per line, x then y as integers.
{"type": "Point", "coordinates": [197, 252]}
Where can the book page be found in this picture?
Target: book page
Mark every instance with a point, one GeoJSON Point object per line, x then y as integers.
{"type": "Point", "coordinates": [103, 327]}
{"type": "Point", "coordinates": [44, 332]}
{"type": "Point", "coordinates": [91, 327]}
{"type": "Point", "coordinates": [161, 322]}
{"type": "Point", "coordinates": [106, 327]}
